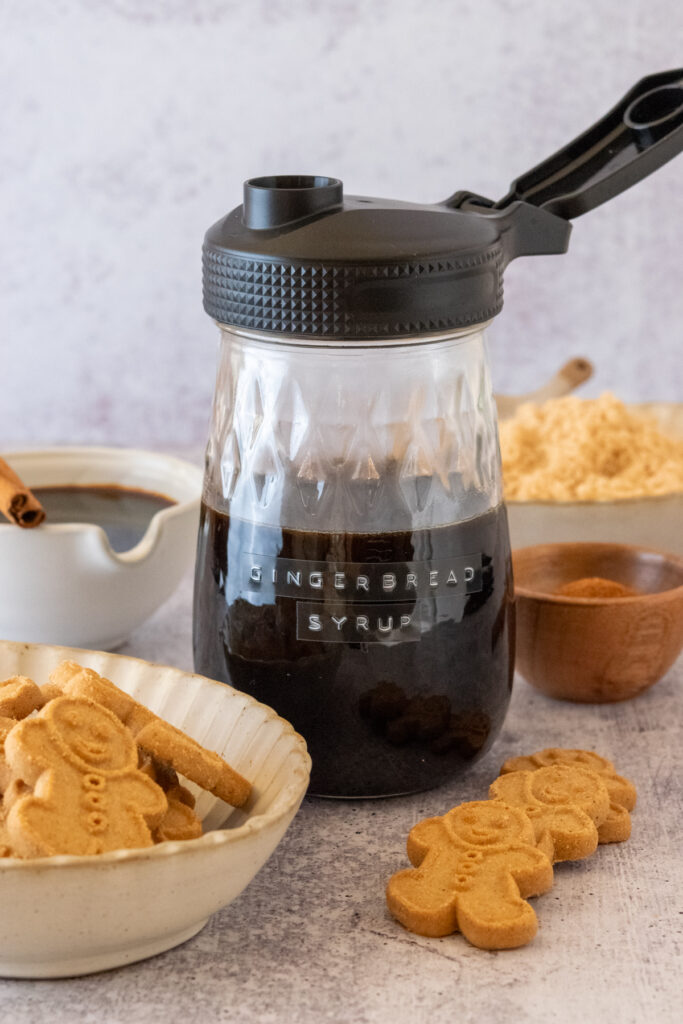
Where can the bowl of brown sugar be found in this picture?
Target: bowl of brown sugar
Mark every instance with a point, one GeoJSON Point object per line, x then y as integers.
{"type": "Point", "coordinates": [594, 470]}
{"type": "Point", "coordinates": [596, 622]}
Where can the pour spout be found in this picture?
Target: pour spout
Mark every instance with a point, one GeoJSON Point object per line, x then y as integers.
{"type": "Point", "coordinates": [274, 201]}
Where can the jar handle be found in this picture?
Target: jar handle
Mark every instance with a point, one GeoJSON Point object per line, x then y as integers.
{"type": "Point", "coordinates": [640, 134]}
{"type": "Point", "coordinates": [636, 137]}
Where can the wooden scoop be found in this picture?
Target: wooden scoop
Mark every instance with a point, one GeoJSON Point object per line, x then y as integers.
{"type": "Point", "coordinates": [573, 373]}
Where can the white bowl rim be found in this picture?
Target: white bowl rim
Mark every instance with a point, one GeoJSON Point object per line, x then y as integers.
{"type": "Point", "coordinates": [289, 797]}
{"type": "Point", "coordinates": [115, 455]}
{"type": "Point", "coordinates": [111, 454]}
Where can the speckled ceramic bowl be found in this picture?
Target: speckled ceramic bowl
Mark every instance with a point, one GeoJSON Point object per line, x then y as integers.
{"type": "Point", "coordinates": [75, 915]}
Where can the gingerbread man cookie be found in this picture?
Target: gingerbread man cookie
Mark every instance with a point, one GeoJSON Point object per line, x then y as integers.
{"type": "Point", "coordinates": [566, 804]}
{"type": "Point", "coordinates": [617, 825]}
{"type": "Point", "coordinates": [179, 821]}
{"type": "Point", "coordinates": [75, 785]}
{"type": "Point", "coordinates": [5, 848]}
{"type": "Point", "coordinates": [19, 696]}
{"type": "Point", "coordinates": [6, 724]}
{"type": "Point", "coordinates": [157, 737]}
{"type": "Point", "coordinates": [473, 870]}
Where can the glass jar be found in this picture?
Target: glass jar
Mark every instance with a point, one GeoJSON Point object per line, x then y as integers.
{"type": "Point", "coordinates": [353, 566]}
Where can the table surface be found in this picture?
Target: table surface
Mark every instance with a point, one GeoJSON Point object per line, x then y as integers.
{"type": "Point", "coordinates": [310, 940]}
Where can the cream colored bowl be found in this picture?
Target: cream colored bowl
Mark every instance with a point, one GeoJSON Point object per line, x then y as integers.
{"type": "Point", "coordinates": [75, 915]}
{"type": "Point", "coordinates": [62, 582]}
{"type": "Point", "coordinates": [643, 522]}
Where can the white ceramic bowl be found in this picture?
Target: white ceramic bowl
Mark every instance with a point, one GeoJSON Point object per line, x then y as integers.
{"type": "Point", "coordinates": [62, 583]}
{"type": "Point", "coordinates": [642, 522]}
{"type": "Point", "coordinates": [75, 915]}
{"type": "Point", "coordinates": [653, 522]}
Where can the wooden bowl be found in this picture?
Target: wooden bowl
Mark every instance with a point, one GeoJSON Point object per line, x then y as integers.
{"type": "Point", "coordinates": [596, 649]}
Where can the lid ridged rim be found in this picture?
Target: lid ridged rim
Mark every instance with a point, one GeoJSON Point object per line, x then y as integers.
{"type": "Point", "coordinates": [308, 298]}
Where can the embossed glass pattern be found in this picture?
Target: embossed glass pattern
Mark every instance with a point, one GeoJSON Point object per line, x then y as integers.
{"type": "Point", "coordinates": [334, 437]}
{"type": "Point", "coordinates": [353, 565]}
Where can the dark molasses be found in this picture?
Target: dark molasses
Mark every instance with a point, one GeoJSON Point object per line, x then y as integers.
{"type": "Point", "coordinates": [392, 654]}
{"type": "Point", "coordinates": [124, 513]}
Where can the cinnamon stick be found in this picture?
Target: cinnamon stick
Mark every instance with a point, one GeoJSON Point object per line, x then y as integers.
{"type": "Point", "coordinates": [17, 502]}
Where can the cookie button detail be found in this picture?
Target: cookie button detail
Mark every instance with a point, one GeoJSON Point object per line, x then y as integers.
{"type": "Point", "coordinates": [95, 801]}
{"type": "Point", "coordinates": [94, 781]}
{"type": "Point", "coordinates": [97, 822]}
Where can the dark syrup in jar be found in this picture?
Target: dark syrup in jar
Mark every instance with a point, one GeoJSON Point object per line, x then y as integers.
{"type": "Point", "coordinates": [395, 687]}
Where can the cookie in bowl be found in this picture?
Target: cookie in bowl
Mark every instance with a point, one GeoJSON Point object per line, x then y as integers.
{"type": "Point", "coordinates": [157, 880]}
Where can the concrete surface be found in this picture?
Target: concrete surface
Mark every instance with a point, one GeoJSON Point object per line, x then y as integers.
{"type": "Point", "coordinates": [310, 940]}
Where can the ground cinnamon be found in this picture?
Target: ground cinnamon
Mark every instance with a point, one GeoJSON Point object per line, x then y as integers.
{"type": "Point", "coordinates": [595, 586]}
{"type": "Point", "coordinates": [17, 502]}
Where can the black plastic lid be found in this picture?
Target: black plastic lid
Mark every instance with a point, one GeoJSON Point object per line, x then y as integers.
{"type": "Point", "coordinates": [301, 259]}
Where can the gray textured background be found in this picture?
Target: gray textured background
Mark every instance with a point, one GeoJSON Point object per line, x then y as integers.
{"type": "Point", "coordinates": [128, 126]}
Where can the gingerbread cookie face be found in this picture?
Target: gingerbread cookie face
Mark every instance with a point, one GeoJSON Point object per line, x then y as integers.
{"type": "Point", "coordinates": [617, 825]}
{"type": "Point", "coordinates": [90, 736]}
{"type": "Point", "coordinates": [473, 870]}
{"type": "Point", "coordinates": [565, 803]}
{"type": "Point", "coordinates": [484, 824]}
{"type": "Point", "coordinates": [75, 785]}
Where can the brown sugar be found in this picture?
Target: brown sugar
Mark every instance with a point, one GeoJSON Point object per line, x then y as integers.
{"type": "Point", "coordinates": [570, 449]}
{"type": "Point", "coordinates": [595, 586]}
